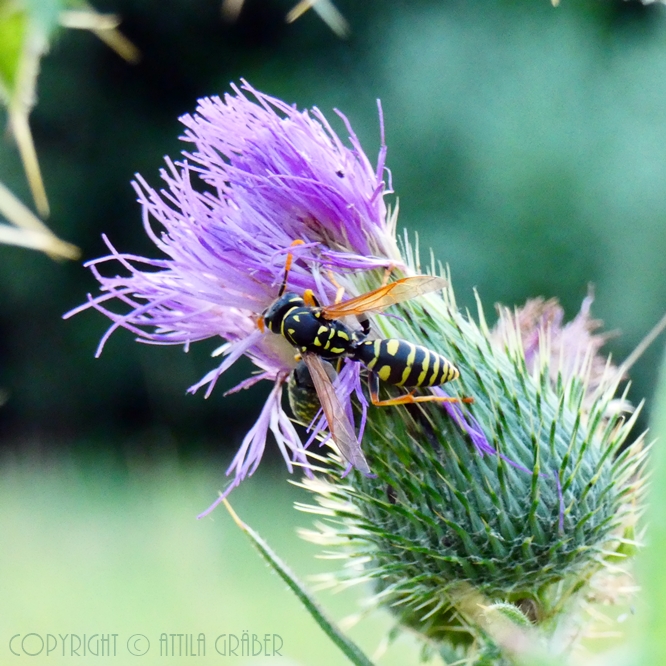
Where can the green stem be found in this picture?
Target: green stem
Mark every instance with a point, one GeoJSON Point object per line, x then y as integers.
{"type": "Point", "coordinates": [350, 649]}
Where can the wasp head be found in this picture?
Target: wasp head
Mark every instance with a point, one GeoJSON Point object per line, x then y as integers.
{"type": "Point", "coordinates": [276, 311]}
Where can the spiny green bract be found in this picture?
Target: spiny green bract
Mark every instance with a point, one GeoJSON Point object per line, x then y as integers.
{"type": "Point", "coordinates": [527, 526]}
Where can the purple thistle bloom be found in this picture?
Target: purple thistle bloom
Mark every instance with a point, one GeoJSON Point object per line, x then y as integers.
{"type": "Point", "coordinates": [572, 348]}
{"type": "Point", "coordinates": [260, 174]}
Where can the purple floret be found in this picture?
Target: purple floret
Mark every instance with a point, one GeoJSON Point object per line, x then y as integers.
{"type": "Point", "coordinates": [259, 174]}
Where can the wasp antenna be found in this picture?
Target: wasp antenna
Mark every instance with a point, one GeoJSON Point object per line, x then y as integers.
{"type": "Point", "coordinates": [287, 266]}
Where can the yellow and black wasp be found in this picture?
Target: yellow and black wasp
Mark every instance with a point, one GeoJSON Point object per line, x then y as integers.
{"type": "Point", "coordinates": [319, 336]}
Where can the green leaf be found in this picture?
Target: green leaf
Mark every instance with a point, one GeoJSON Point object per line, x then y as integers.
{"type": "Point", "coordinates": [350, 649]}
{"type": "Point", "coordinates": [44, 13]}
{"type": "Point", "coordinates": [13, 30]}
{"type": "Point", "coordinates": [18, 20]}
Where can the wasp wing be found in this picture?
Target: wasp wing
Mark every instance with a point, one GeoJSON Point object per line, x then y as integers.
{"type": "Point", "coordinates": [390, 294]}
{"type": "Point", "coordinates": [339, 426]}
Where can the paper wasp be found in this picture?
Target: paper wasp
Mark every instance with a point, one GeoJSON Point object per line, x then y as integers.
{"type": "Point", "coordinates": [319, 336]}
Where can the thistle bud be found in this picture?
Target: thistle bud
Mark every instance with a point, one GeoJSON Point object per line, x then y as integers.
{"type": "Point", "coordinates": [520, 499]}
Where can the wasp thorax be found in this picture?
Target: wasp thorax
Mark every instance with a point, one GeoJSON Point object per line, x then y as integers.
{"type": "Point", "coordinates": [275, 313]}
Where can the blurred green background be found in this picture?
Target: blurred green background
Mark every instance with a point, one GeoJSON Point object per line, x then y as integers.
{"type": "Point", "coordinates": [528, 147]}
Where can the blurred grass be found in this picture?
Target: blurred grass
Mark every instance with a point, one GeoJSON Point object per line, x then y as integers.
{"type": "Point", "coordinates": [92, 549]}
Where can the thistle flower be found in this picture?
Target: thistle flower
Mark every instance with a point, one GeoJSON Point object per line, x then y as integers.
{"type": "Point", "coordinates": [519, 500]}
{"type": "Point", "coordinates": [260, 175]}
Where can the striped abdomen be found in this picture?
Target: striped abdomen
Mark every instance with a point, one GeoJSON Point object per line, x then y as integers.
{"type": "Point", "coordinates": [402, 363]}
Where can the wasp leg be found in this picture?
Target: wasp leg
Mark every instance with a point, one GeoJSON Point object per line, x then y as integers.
{"type": "Point", "coordinates": [365, 326]}
{"type": "Point", "coordinates": [362, 320]}
{"type": "Point", "coordinates": [408, 399]}
{"type": "Point", "coordinates": [340, 289]}
{"type": "Point", "coordinates": [387, 274]}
